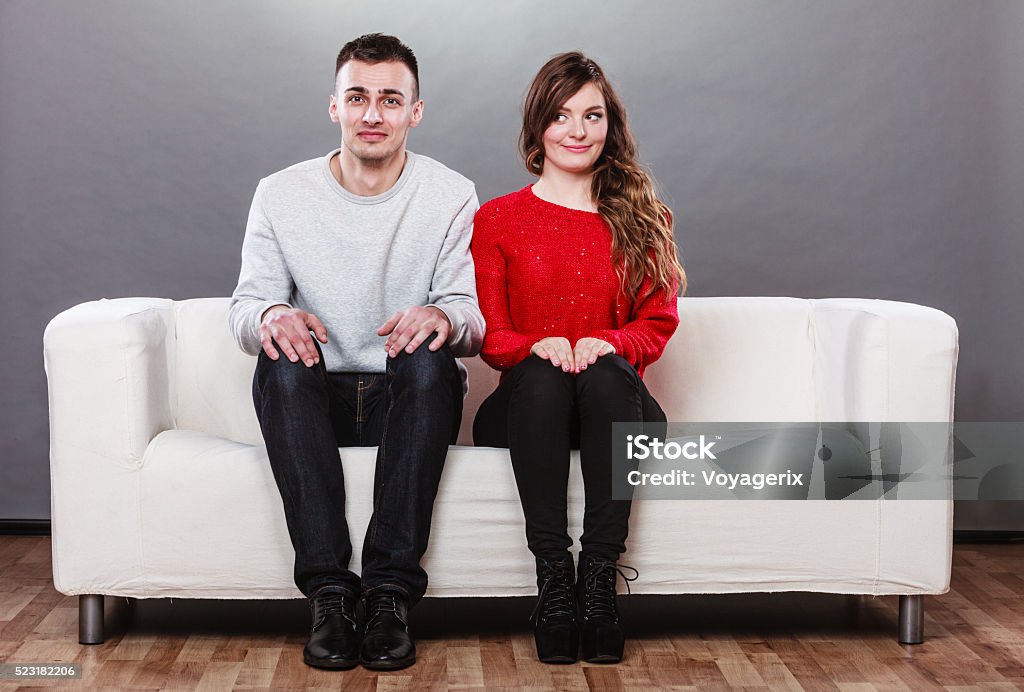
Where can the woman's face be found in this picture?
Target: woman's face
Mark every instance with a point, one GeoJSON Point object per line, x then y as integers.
{"type": "Point", "coordinates": [575, 138]}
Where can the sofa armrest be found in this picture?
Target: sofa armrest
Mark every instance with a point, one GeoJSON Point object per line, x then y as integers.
{"type": "Point", "coordinates": [881, 360]}
{"type": "Point", "coordinates": [107, 366]}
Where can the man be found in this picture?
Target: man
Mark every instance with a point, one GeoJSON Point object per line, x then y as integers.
{"type": "Point", "coordinates": [367, 247]}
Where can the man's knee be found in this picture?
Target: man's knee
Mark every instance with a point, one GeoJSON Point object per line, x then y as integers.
{"type": "Point", "coordinates": [284, 377]}
{"type": "Point", "coordinates": [424, 369]}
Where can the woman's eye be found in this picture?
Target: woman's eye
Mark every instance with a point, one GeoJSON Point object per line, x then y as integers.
{"type": "Point", "coordinates": [594, 116]}
{"type": "Point", "coordinates": [561, 117]}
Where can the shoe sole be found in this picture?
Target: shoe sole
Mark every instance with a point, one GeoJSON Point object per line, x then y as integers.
{"type": "Point", "coordinates": [605, 658]}
{"type": "Point", "coordinates": [330, 664]}
{"type": "Point", "coordinates": [388, 665]}
{"type": "Point", "coordinates": [558, 659]}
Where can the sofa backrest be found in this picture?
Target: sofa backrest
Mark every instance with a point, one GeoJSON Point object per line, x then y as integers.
{"type": "Point", "coordinates": [731, 359]}
{"type": "Point", "coordinates": [738, 359]}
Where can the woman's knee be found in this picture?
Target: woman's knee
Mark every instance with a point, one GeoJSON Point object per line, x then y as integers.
{"type": "Point", "coordinates": [608, 376]}
{"type": "Point", "coordinates": [538, 374]}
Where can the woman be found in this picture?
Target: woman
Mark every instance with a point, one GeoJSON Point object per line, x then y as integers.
{"type": "Point", "coordinates": [577, 278]}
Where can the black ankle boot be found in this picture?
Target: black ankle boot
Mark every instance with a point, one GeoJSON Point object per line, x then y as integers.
{"type": "Point", "coordinates": [554, 617]}
{"type": "Point", "coordinates": [600, 632]}
{"type": "Point", "coordinates": [332, 642]}
{"type": "Point", "coordinates": [386, 641]}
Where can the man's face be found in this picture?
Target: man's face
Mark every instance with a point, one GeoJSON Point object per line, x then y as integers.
{"type": "Point", "coordinates": [374, 105]}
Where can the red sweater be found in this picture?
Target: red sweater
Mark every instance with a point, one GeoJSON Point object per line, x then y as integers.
{"type": "Point", "coordinates": [545, 270]}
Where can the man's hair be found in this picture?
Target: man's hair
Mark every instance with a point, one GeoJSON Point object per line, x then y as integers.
{"type": "Point", "coordinates": [376, 48]}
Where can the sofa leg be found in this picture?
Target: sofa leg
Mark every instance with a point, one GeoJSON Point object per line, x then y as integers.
{"type": "Point", "coordinates": [911, 619]}
{"type": "Point", "coordinates": [90, 619]}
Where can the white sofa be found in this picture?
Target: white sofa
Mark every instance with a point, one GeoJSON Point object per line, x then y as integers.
{"type": "Point", "coordinates": [161, 485]}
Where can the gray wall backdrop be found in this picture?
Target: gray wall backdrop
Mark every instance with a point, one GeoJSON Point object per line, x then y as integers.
{"type": "Point", "coordinates": [858, 148]}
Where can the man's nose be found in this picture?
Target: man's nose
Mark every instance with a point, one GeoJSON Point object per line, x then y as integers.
{"type": "Point", "coordinates": [372, 115]}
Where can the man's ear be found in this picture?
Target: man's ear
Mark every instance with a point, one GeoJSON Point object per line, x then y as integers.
{"type": "Point", "coordinates": [332, 109]}
{"type": "Point", "coordinates": [417, 113]}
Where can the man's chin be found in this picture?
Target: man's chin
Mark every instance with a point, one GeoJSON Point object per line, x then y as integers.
{"type": "Point", "coordinates": [373, 154]}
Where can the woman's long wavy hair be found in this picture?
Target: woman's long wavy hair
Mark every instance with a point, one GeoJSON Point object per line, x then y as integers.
{"type": "Point", "coordinates": [643, 243]}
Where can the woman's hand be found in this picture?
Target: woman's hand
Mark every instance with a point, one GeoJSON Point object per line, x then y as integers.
{"type": "Point", "coordinates": [588, 350]}
{"type": "Point", "coordinates": [556, 349]}
{"type": "Point", "coordinates": [561, 354]}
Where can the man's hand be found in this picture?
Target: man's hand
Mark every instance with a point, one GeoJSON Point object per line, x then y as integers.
{"type": "Point", "coordinates": [557, 350]}
{"type": "Point", "coordinates": [409, 328]}
{"type": "Point", "coordinates": [588, 350]}
{"type": "Point", "coordinates": [289, 329]}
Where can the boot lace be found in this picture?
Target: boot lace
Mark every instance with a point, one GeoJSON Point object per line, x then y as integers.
{"type": "Point", "coordinates": [599, 576]}
{"type": "Point", "coordinates": [556, 599]}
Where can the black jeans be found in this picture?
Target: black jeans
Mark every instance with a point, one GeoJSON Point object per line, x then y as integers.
{"type": "Point", "coordinates": [541, 412]}
{"type": "Point", "coordinates": [411, 412]}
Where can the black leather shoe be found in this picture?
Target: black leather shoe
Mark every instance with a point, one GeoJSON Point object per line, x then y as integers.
{"type": "Point", "coordinates": [386, 641]}
{"type": "Point", "coordinates": [554, 617]}
{"type": "Point", "coordinates": [333, 642]}
{"type": "Point", "coordinates": [600, 633]}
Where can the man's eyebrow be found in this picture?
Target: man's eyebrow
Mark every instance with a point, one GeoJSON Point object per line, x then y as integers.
{"type": "Point", "coordinates": [364, 90]}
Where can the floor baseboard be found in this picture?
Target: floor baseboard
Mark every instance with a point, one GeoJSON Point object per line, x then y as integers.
{"type": "Point", "coordinates": [24, 527]}
{"type": "Point", "coordinates": [987, 536]}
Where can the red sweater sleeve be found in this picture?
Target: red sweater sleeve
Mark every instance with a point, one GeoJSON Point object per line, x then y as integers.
{"type": "Point", "coordinates": [642, 340]}
{"type": "Point", "coordinates": [504, 347]}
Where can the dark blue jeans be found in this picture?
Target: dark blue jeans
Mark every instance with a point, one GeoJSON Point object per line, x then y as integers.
{"type": "Point", "coordinates": [540, 412]}
{"type": "Point", "coordinates": [411, 412]}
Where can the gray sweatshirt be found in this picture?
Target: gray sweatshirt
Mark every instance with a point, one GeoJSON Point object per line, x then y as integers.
{"type": "Point", "coordinates": [355, 261]}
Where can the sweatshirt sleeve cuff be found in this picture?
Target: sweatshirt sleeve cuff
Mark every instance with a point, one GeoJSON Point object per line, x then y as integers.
{"type": "Point", "coordinates": [467, 330]}
{"type": "Point", "coordinates": [250, 337]}
{"type": "Point", "coordinates": [266, 305]}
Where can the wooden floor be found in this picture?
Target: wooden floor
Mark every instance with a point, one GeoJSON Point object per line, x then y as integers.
{"type": "Point", "coordinates": [974, 639]}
